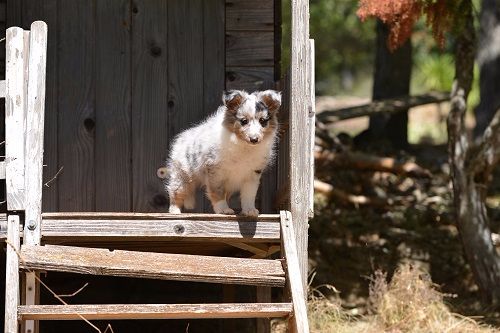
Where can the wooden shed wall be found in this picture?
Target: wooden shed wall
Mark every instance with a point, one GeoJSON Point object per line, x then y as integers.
{"type": "Point", "coordinates": [124, 77]}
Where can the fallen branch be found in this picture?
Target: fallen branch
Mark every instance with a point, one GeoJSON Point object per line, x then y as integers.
{"type": "Point", "coordinates": [365, 162]}
{"type": "Point", "coordinates": [346, 198]}
{"type": "Point", "coordinates": [384, 106]}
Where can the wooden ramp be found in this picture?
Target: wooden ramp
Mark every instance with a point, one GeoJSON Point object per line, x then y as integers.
{"type": "Point", "coordinates": [179, 267]}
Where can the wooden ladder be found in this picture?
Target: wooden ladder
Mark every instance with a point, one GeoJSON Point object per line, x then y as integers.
{"type": "Point", "coordinates": [25, 95]}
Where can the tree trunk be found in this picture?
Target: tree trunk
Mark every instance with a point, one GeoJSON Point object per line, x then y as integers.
{"type": "Point", "coordinates": [391, 79]}
{"type": "Point", "coordinates": [469, 181]}
{"type": "Point", "coordinates": [488, 59]}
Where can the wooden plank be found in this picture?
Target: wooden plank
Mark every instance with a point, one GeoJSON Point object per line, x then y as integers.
{"type": "Point", "coordinates": [249, 78]}
{"type": "Point", "coordinates": [2, 89]}
{"type": "Point", "coordinates": [151, 230]}
{"type": "Point", "coordinates": [179, 267]}
{"type": "Point", "coordinates": [249, 48]}
{"type": "Point", "coordinates": [185, 94]}
{"type": "Point", "coordinates": [312, 129]}
{"type": "Point", "coordinates": [46, 10]}
{"type": "Point", "coordinates": [2, 170]}
{"type": "Point", "coordinates": [76, 78]}
{"type": "Point", "coordinates": [34, 153]}
{"type": "Point", "coordinates": [250, 15]}
{"type": "Point", "coordinates": [214, 58]}
{"type": "Point", "coordinates": [113, 190]}
{"type": "Point", "coordinates": [154, 311]}
{"type": "Point", "coordinates": [12, 276]}
{"type": "Point", "coordinates": [15, 103]}
{"type": "Point", "coordinates": [149, 103]}
{"type": "Point", "coordinates": [294, 274]}
{"type": "Point", "coordinates": [299, 118]}
{"type": "Point", "coordinates": [283, 186]}
{"type": "Point", "coordinates": [34, 130]}
{"type": "Point", "coordinates": [263, 295]}
{"type": "Point", "coordinates": [156, 216]}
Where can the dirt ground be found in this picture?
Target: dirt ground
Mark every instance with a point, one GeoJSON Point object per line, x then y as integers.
{"type": "Point", "coordinates": [348, 244]}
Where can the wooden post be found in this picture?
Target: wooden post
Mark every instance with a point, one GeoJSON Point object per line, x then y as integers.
{"type": "Point", "coordinates": [299, 133]}
{"type": "Point", "coordinates": [15, 99]}
{"type": "Point", "coordinates": [34, 152]}
{"type": "Point", "coordinates": [312, 127]}
{"type": "Point", "coordinates": [298, 321]}
{"type": "Point", "coordinates": [12, 275]}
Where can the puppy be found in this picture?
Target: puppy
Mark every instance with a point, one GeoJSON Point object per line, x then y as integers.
{"type": "Point", "coordinates": [226, 153]}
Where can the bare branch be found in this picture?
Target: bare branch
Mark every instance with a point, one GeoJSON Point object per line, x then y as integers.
{"type": "Point", "coordinates": [55, 177]}
{"type": "Point", "coordinates": [76, 292]}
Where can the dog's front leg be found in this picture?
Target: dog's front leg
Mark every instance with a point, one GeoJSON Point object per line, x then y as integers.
{"type": "Point", "coordinates": [247, 194]}
{"type": "Point", "coordinates": [216, 192]}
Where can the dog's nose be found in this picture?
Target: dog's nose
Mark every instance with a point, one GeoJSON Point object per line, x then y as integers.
{"type": "Point", "coordinates": [254, 139]}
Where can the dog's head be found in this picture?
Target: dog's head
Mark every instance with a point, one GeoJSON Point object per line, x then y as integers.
{"type": "Point", "coordinates": [252, 117]}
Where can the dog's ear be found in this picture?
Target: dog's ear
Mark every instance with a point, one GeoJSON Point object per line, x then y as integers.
{"type": "Point", "coordinates": [271, 99]}
{"type": "Point", "coordinates": [233, 99]}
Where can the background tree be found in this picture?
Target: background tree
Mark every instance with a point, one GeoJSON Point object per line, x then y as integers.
{"type": "Point", "coordinates": [488, 59]}
{"type": "Point", "coordinates": [471, 167]}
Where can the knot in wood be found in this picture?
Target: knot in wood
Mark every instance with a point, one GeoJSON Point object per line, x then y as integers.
{"type": "Point", "coordinates": [179, 229]}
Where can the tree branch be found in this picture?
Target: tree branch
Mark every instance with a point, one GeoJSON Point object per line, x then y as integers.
{"type": "Point", "coordinates": [384, 106]}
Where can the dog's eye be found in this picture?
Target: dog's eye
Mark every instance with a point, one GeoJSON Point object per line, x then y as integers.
{"type": "Point", "coordinates": [263, 121]}
{"type": "Point", "coordinates": [244, 121]}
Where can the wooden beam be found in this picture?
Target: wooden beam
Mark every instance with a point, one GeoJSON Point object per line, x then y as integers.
{"type": "Point", "coordinates": [15, 130]}
{"type": "Point", "coordinates": [150, 230]}
{"type": "Point", "coordinates": [2, 170]}
{"type": "Point", "coordinates": [154, 311]}
{"type": "Point", "coordinates": [179, 267]}
{"type": "Point", "coordinates": [388, 106]}
{"type": "Point", "coordinates": [158, 216]}
{"type": "Point", "coordinates": [299, 318]}
{"type": "Point", "coordinates": [12, 276]}
{"type": "Point", "coordinates": [2, 89]}
{"type": "Point", "coordinates": [300, 108]}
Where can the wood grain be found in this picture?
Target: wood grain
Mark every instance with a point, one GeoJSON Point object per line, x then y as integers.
{"type": "Point", "coordinates": [12, 275]}
{"type": "Point", "coordinates": [15, 121]}
{"type": "Point", "coordinates": [249, 48]}
{"type": "Point", "coordinates": [154, 311]}
{"type": "Point", "coordinates": [299, 133]}
{"type": "Point", "coordinates": [249, 78]}
{"type": "Point", "coordinates": [155, 216]}
{"type": "Point", "coordinates": [76, 78]}
{"type": "Point", "coordinates": [113, 190]}
{"type": "Point", "coordinates": [46, 10]}
{"type": "Point", "coordinates": [185, 63]}
{"type": "Point", "coordinates": [149, 103]}
{"type": "Point", "coordinates": [179, 267]}
{"type": "Point", "coordinates": [294, 274]}
{"type": "Point", "coordinates": [34, 131]}
{"type": "Point", "coordinates": [250, 15]}
{"type": "Point", "coordinates": [151, 230]}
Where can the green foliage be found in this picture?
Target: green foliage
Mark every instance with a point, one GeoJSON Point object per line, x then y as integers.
{"type": "Point", "coordinates": [344, 45]}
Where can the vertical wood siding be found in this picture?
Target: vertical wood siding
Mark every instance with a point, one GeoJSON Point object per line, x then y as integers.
{"type": "Point", "coordinates": [124, 77]}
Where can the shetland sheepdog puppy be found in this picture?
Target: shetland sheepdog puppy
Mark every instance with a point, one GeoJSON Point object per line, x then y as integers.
{"type": "Point", "coordinates": [226, 153]}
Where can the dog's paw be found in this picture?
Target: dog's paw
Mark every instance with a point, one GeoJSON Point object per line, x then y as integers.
{"type": "Point", "coordinates": [174, 210]}
{"type": "Point", "coordinates": [224, 210]}
{"type": "Point", "coordinates": [254, 212]}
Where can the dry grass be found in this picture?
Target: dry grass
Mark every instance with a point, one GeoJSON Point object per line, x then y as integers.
{"type": "Point", "coordinates": [409, 303]}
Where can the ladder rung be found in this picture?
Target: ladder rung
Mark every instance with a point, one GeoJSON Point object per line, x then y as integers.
{"type": "Point", "coordinates": [159, 229]}
{"type": "Point", "coordinates": [153, 311]}
{"type": "Point", "coordinates": [165, 266]}
{"type": "Point", "coordinates": [160, 216]}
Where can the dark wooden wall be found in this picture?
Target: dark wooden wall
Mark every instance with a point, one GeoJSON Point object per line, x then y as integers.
{"type": "Point", "coordinates": [125, 76]}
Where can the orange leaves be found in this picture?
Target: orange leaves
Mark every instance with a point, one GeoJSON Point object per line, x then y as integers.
{"type": "Point", "coordinates": [401, 16]}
